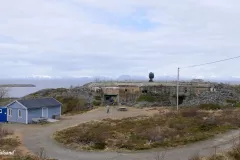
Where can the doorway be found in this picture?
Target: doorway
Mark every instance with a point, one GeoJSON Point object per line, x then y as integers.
{"type": "Point", "coordinates": [181, 99]}
{"type": "Point", "coordinates": [45, 112]}
{"type": "Point", "coordinates": [110, 99]}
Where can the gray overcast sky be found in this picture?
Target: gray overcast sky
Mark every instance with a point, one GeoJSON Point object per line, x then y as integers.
{"type": "Point", "coordinates": [116, 37]}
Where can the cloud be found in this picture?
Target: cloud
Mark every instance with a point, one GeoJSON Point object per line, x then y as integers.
{"type": "Point", "coordinates": [112, 38]}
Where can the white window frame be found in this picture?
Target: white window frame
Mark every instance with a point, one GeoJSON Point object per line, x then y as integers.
{"type": "Point", "coordinates": [19, 111]}
{"type": "Point", "coordinates": [10, 112]}
{"type": "Point", "coordinates": [0, 110]}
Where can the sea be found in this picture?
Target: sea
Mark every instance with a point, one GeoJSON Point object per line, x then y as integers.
{"type": "Point", "coordinates": [18, 92]}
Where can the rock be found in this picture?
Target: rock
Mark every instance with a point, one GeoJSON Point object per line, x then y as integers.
{"type": "Point", "coordinates": [219, 97]}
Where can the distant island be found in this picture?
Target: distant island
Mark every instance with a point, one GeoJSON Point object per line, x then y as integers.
{"type": "Point", "coordinates": [17, 85]}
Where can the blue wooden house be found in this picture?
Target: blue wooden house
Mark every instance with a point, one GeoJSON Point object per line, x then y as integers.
{"type": "Point", "coordinates": [23, 111]}
{"type": "Point", "coordinates": [3, 114]}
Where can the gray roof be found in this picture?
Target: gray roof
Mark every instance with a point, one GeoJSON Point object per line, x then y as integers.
{"type": "Point", "coordinates": [39, 102]}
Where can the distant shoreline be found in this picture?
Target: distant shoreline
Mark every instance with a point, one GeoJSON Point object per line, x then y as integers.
{"type": "Point", "coordinates": [17, 85]}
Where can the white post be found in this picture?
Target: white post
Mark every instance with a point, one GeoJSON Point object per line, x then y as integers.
{"type": "Point", "coordinates": [177, 86]}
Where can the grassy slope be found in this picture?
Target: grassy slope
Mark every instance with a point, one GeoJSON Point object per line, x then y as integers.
{"type": "Point", "coordinates": [168, 130]}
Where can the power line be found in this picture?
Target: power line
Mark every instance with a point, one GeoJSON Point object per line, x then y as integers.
{"type": "Point", "coordinates": [212, 62]}
{"type": "Point", "coordinates": [197, 66]}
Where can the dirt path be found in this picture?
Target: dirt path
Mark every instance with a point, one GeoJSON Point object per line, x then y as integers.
{"type": "Point", "coordinates": [36, 137]}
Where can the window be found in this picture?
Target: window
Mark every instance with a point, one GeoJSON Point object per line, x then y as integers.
{"type": "Point", "coordinates": [10, 112]}
{"type": "Point", "coordinates": [0, 110]}
{"type": "Point", "coordinates": [19, 114]}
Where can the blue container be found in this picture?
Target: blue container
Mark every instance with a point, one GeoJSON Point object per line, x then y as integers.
{"type": "Point", "coordinates": [3, 114]}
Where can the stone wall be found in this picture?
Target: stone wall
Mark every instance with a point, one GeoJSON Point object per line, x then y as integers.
{"type": "Point", "coordinates": [220, 95]}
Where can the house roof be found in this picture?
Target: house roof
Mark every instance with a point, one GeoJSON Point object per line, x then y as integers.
{"type": "Point", "coordinates": [39, 102]}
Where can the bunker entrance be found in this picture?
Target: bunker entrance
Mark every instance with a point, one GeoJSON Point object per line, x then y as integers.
{"type": "Point", "coordinates": [181, 99]}
{"type": "Point", "coordinates": [110, 99]}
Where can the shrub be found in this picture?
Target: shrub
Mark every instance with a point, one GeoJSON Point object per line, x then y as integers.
{"type": "Point", "coordinates": [235, 152]}
{"type": "Point", "coordinates": [99, 145]}
{"type": "Point", "coordinates": [72, 104]}
{"type": "Point", "coordinates": [146, 98]}
{"type": "Point", "coordinates": [98, 98]}
{"type": "Point", "coordinates": [96, 103]}
{"type": "Point", "coordinates": [4, 132]}
{"type": "Point", "coordinates": [153, 134]}
{"type": "Point", "coordinates": [206, 127]}
{"type": "Point", "coordinates": [9, 143]}
{"type": "Point", "coordinates": [19, 156]}
{"type": "Point", "coordinates": [210, 106]}
{"type": "Point", "coordinates": [217, 157]}
{"type": "Point", "coordinates": [231, 101]}
{"type": "Point", "coordinates": [238, 105]}
{"type": "Point", "coordinates": [195, 157]}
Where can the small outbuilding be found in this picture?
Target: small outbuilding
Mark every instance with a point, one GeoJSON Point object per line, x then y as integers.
{"type": "Point", "coordinates": [3, 114]}
{"type": "Point", "coordinates": [25, 110]}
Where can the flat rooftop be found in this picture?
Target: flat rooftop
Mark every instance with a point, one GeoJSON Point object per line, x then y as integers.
{"type": "Point", "coordinates": [142, 84]}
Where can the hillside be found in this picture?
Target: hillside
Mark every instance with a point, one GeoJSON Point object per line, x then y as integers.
{"type": "Point", "coordinates": [6, 101]}
{"type": "Point", "coordinates": [75, 100]}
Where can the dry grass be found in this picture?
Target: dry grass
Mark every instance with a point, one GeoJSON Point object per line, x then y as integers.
{"type": "Point", "coordinates": [4, 132]}
{"type": "Point", "coordinates": [10, 142]}
{"type": "Point", "coordinates": [233, 154]}
{"type": "Point", "coordinates": [7, 142]}
{"type": "Point", "coordinates": [168, 129]}
{"type": "Point", "coordinates": [195, 157]}
{"type": "Point", "coordinates": [41, 155]}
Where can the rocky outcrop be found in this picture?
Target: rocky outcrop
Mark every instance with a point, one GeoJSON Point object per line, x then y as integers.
{"type": "Point", "coordinates": [218, 97]}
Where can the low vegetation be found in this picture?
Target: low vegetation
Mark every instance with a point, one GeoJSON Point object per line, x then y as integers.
{"type": "Point", "coordinates": [9, 143]}
{"type": "Point", "coordinates": [146, 98]}
{"type": "Point", "coordinates": [233, 154]}
{"type": "Point", "coordinates": [139, 133]}
{"type": "Point", "coordinates": [19, 156]}
{"type": "Point", "coordinates": [48, 92]}
{"type": "Point", "coordinates": [5, 101]}
{"type": "Point", "coordinates": [210, 107]}
{"type": "Point", "coordinates": [73, 105]}
{"type": "Point", "coordinates": [232, 101]}
{"type": "Point", "coordinates": [153, 98]}
{"type": "Point", "coordinates": [96, 103]}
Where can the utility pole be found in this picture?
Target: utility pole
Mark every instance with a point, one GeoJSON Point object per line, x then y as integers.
{"type": "Point", "coordinates": [177, 86]}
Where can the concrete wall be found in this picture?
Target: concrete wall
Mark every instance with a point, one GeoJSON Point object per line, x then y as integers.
{"type": "Point", "coordinates": [165, 92]}
{"type": "Point", "coordinates": [128, 94]}
{"type": "Point", "coordinates": [110, 90]}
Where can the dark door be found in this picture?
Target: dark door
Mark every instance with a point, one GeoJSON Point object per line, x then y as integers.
{"type": "Point", "coordinates": [3, 114]}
